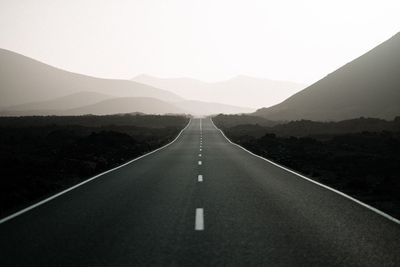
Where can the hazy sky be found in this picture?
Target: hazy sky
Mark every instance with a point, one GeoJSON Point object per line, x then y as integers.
{"type": "Point", "coordinates": [205, 39]}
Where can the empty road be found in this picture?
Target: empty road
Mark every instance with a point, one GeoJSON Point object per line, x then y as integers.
{"type": "Point", "coordinates": [201, 201]}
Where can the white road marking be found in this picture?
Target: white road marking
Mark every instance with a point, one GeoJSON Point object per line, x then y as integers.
{"type": "Point", "coordinates": [199, 222]}
{"type": "Point", "coordinates": [200, 162]}
{"type": "Point", "coordinates": [200, 178]}
{"type": "Point", "coordinates": [199, 155]}
{"type": "Point", "coordinates": [200, 149]}
{"type": "Point", "coordinates": [387, 216]}
{"type": "Point", "coordinates": [200, 126]}
{"type": "Point", "coordinates": [3, 220]}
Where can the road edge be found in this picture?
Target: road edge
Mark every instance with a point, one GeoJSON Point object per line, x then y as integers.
{"type": "Point", "coordinates": [377, 211]}
{"type": "Point", "coordinates": [18, 213]}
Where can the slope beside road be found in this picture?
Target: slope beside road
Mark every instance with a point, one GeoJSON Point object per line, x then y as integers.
{"type": "Point", "coordinates": [200, 202]}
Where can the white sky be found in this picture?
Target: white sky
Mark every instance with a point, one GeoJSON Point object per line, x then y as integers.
{"type": "Point", "coordinates": [205, 39]}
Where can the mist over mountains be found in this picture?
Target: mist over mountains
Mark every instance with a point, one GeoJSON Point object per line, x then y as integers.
{"type": "Point", "coordinates": [240, 90]}
{"type": "Point", "coordinates": [29, 87]}
{"type": "Point", "coordinates": [368, 86]}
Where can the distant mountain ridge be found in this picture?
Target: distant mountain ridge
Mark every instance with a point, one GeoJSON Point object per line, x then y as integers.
{"type": "Point", "coordinates": [74, 100]}
{"type": "Point", "coordinates": [146, 105]}
{"type": "Point", "coordinates": [238, 91]}
{"type": "Point", "coordinates": [368, 86]}
{"type": "Point", "coordinates": [23, 80]}
{"type": "Point", "coordinates": [29, 87]}
{"type": "Point", "coordinates": [99, 104]}
{"type": "Point", "coordinates": [151, 106]}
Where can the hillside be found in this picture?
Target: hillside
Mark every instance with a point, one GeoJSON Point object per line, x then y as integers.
{"type": "Point", "coordinates": [29, 87]}
{"type": "Point", "coordinates": [74, 100]}
{"type": "Point", "coordinates": [241, 90]}
{"type": "Point", "coordinates": [100, 104]}
{"type": "Point", "coordinates": [127, 105]}
{"type": "Point", "coordinates": [96, 103]}
{"type": "Point", "coordinates": [24, 80]}
{"type": "Point", "coordinates": [368, 86]}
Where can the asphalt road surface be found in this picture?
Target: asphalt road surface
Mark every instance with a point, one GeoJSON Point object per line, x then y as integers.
{"type": "Point", "coordinates": [201, 201]}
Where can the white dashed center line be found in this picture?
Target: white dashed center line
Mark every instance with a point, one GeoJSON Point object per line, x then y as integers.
{"type": "Point", "coordinates": [199, 222]}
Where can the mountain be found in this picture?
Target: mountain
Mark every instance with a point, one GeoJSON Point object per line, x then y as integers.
{"type": "Point", "coordinates": [95, 103]}
{"type": "Point", "coordinates": [368, 86]}
{"type": "Point", "coordinates": [239, 91]}
{"type": "Point", "coordinates": [29, 87]}
{"type": "Point", "coordinates": [74, 100]}
{"type": "Point", "coordinates": [154, 106]}
{"type": "Point", "coordinates": [126, 105]}
{"type": "Point", "coordinates": [24, 80]}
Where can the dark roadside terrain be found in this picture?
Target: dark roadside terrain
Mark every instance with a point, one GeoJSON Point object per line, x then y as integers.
{"type": "Point", "coordinates": [41, 155]}
{"type": "Point", "coordinates": [360, 157]}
